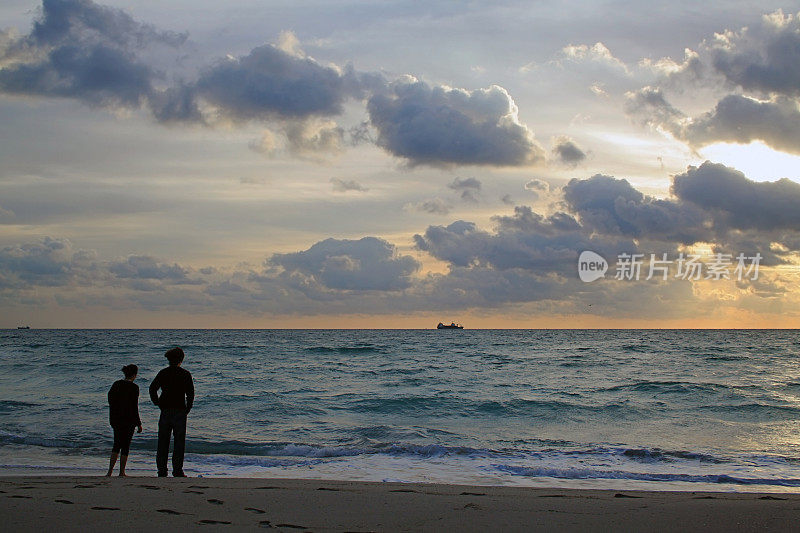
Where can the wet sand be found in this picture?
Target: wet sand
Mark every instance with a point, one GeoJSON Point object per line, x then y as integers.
{"type": "Point", "coordinates": [65, 504]}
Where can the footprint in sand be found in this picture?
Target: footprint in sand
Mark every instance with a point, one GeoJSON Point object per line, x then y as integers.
{"type": "Point", "coordinates": [213, 522]}
{"type": "Point", "coordinates": [167, 511]}
{"type": "Point", "coordinates": [473, 494]}
{"type": "Point", "coordinates": [193, 492]}
{"type": "Point", "coordinates": [215, 501]}
{"type": "Point", "coordinates": [151, 487]}
{"type": "Point", "coordinates": [403, 490]}
{"type": "Point", "coordinates": [254, 510]}
{"type": "Point", "coordinates": [64, 501]}
{"type": "Point", "coordinates": [21, 496]}
{"type": "Point", "coordinates": [328, 488]}
{"type": "Point", "coordinates": [265, 524]}
{"type": "Point", "coordinates": [99, 508]}
{"type": "Point", "coordinates": [292, 526]}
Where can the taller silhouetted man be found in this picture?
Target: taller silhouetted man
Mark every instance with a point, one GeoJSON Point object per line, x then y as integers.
{"type": "Point", "coordinates": [175, 402]}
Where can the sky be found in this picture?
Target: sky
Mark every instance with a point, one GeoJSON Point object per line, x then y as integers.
{"type": "Point", "coordinates": [398, 164]}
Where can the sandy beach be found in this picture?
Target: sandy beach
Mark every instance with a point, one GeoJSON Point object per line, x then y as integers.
{"type": "Point", "coordinates": [225, 504]}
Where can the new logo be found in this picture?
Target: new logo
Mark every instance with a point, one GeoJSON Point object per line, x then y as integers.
{"type": "Point", "coordinates": [591, 266]}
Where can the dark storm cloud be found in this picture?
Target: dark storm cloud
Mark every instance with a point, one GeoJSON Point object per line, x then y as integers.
{"type": "Point", "coordinates": [568, 152]}
{"type": "Point", "coordinates": [735, 118]}
{"type": "Point", "coordinates": [738, 202]}
{"type": "Point", "coordinates": [741, 119]}
{"type": "Point", "coordinates": [103, 57]}
{"type": "Point", "coordinates": [764, 57]}
{"type": "Point", "coordinates": [761, 63]}
{"type": "Point", "coordinates": [468, 188]}
{"type": "Point", "coordinates": [365, 264]}
{"type": "Point", "coordinates": [65, 20]}
{"type": "Point", "coordinates": [526, 240]}
{"type": "Point", "coordinates": [442, 126]}
{"type": "Point", "coordinates": [78, 49]}
{"type": "Point", "coordinates": [612, 206]}
{"type": "Point", "coordinates": [269, 83]}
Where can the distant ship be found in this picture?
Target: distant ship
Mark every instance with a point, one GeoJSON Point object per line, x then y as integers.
{"type": "Point", "coordinates": [452, 325]}
{"type": "Point", "coordinates": [23, 327]}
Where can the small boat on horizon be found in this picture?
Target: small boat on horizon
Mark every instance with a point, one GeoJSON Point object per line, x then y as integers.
{"type": "Point", "coordinates": [23, 327]}
{"type": "Point", "coordinates": [452, 325]}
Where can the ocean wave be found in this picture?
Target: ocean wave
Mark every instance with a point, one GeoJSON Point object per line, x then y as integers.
{"type": "Point", "coordinates": [315, 451]}
{"type": "Point", "coordinates": [43, 441]}
{"type": "Point", "coordinates": [588, 473]}
{"type": "Point", "coordinates": [668, 387]}
{"type": "Point", "coordinates": [455, 406]}
{"type": "Point", "coordinates": [8, 405]}
{"type": "Point", "coordinates": [366, 348]}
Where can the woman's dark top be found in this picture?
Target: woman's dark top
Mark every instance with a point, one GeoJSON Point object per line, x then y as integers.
{"type": "Point", "coordinates": [123, 403]}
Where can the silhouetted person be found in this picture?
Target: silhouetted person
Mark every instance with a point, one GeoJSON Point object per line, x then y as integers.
{"type": "Point", "coordinates": [123, 413]}
{"type": "Point", "coordinates": [177, 396]}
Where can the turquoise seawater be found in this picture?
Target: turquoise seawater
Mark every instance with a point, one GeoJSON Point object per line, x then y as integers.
{"type": "Point", "coordinates": [653, 409]}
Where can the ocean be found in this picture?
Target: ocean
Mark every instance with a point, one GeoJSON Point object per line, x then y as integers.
{"type": "Point", "coordinates": [625, 409]}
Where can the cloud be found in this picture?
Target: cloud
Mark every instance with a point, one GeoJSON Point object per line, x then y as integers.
{"type": "Point", "coordinates": [757, 65]}
{"type": "Point", "coordinates": [314, 139]}
{"type": "Point", "coordinates": [735, 118]}
{"type": "Point", "coordinates": [567, 151]}
{"type": "Point", "coordinates": [764, 56]}
{"type": "Point", "coordinates": [340, 185]}
{"type": "Point", "coordinates": [103, 57]}
{"type": "Point", "coordinates": [738, 202]}
{"type": "Point", "coordinates": [526, 240]}
{"type": "Point", "coordinates": [537, 188]}
{"type": "Point", "coordinates": [148, 268]}
{"type": "Point", "coordinates": [443, 126]}
{"type": "Point", "coordinates": [78, 49]}
{"type": "Point", "coordinates": [434, 206]}
{"type": "Point", "coordinates": [366, 264]}
{"type": "Point", "coordinates": [612, 206]}
{"type": "Point", "coordinates": [468, 188]}
{"type": "Point", "coordinates": [741, 119]}
{"type": "Point", "coordinates": [270, 83]}
{"type": "Point", "coordinates": [48, 262]}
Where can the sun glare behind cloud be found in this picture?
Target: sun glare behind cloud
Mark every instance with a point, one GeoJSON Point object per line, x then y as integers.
{"type": "Point", "coordinates": [758, 161]}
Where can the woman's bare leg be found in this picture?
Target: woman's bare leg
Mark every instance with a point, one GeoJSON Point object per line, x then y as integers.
{"type": "Point", "coordinates": [112, 462]}
{"type": "Point", "coordinates": [123, 459]}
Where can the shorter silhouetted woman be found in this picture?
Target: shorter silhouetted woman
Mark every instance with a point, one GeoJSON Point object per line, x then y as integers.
{"type": "Point", "coordinates": [123, 403]}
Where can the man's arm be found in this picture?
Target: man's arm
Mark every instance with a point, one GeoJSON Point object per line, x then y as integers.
{"type": "Point", "coordinates": [154, 386]}
{"type": "Point", "coordinates": [189, 393]}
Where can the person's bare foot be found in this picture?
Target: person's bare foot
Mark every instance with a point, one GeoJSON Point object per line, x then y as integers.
{"type": "Point", "coordinates": [109, 474]}
{"type": "Point", "coordinates": [123, 474]}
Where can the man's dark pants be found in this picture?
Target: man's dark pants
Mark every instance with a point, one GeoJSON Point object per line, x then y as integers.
{"type": "Point", "coordinates": [171, 421]}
